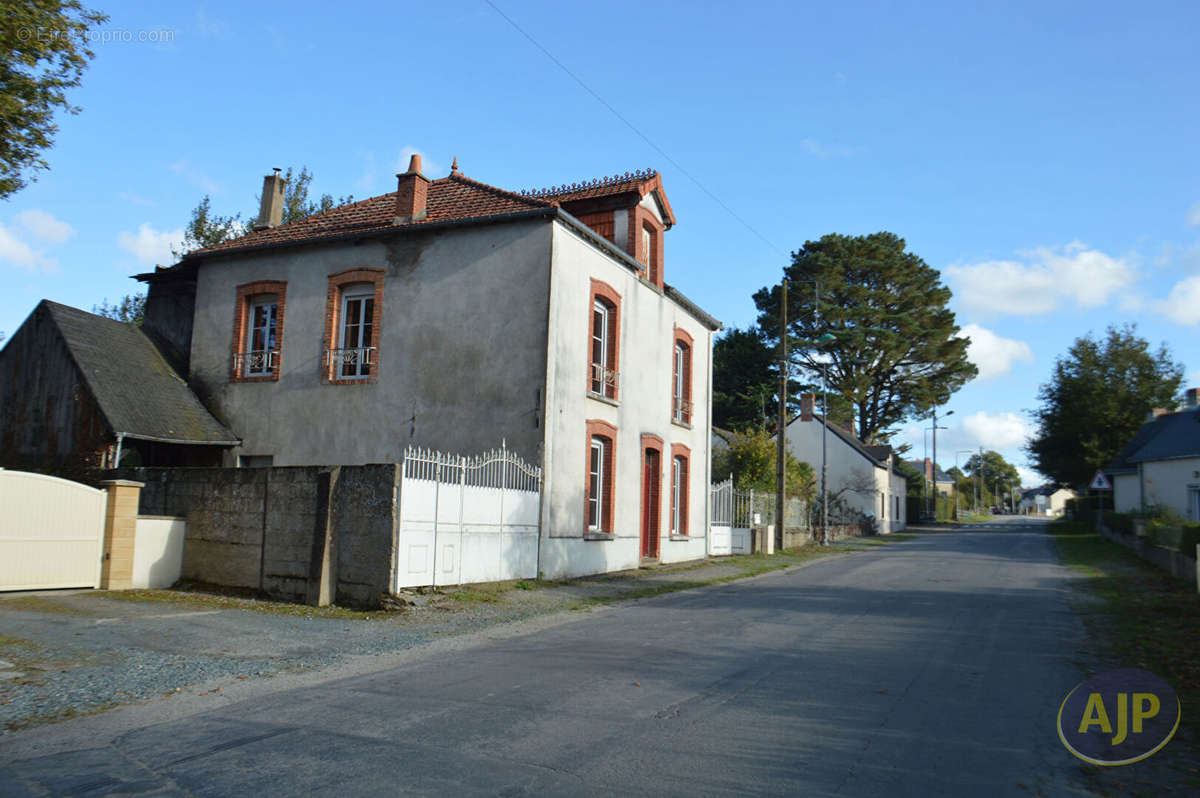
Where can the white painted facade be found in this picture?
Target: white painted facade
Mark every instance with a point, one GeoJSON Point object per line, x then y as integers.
{"type": "Point", "coordinates": [1174, 484]}
{"type": "Point", "coordinates": [648, 321]}
{"type": "Point", "coordinates": [863, 483]}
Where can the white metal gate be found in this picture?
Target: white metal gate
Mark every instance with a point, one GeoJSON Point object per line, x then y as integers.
{"type": "Point", "coordinates": [51, 532]}
{"type": "Point", "coordinates": [731, 513]}
{"type": "Point", "coordinates": [467, 519]}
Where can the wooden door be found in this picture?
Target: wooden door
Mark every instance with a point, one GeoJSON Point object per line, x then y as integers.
{"type": "Point", "coordinates": [651, 501]}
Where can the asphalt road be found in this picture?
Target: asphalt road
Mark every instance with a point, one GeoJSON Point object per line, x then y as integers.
{"type": "Point", "coordinates": [931, 667]}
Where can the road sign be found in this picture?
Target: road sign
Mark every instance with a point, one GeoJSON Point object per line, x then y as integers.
{"type": "Point", "coordinates": [1100, 482]}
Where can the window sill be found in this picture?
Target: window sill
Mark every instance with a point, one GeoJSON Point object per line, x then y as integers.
{"type": "Point", "coordinates": [256, 378]}
{"type": "Point", "coordinates": [602, 398]}
{"type": "Point", "coordinates": [355, 381]}
{"type": "Point", "coordinates": [598, 536]}
{"type": "Point", "coordinates": [683, 424]}
{"type": "Point", "coordinates": [682, 537]}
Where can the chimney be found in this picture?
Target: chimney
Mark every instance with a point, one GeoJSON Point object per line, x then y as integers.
{"type": "Point", "coordinates": [411, 191]}
{"type": "Point", "coordinates": [1191, 398]}
{"type": "Point", "coordinates": [807, 400]}
{"type": "Point", "coordinates": [270, 214]}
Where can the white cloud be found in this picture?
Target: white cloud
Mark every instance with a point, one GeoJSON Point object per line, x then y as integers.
{"type": "Point", "coordinates": [429, 167]}
{"type": "Point", "coordinates": [993, 355]}
{"type": "Point", "coordinates": [1046, 279]}
{"type": "Point", "coordinates": [194, 176]}
{"type": "Point", "coordinates": [44, 227]}
{"type": "Point", "coordinates": [1182, 305]}
{"type": "Point", "coordinates": [16, 251]}
{"type": "Point", "coordinates": [1029, 477]}
{"type": "Point", "coordinates": [136, 199]}
{"type": "Point", "coordinates": [997, 430]}
{"type": "Point", "coordinates": [151, 246]}
{"type": "Point", "coordinates": [1193, 216]}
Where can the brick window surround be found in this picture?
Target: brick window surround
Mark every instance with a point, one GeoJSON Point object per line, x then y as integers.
{"type": "Point", "coordinates": [680, 452]}
{"type": "Point", "coordinates": [605, 293]}
{"type": "Point", "coordinates": [608, 434]}
{"type": "Point", "coordinates": [641, 219]}
{"type": "Point", "coordinates": [652, 527]}
{"type": "Point", "coordinates": [333, 310]}
{"type": "Point", "coordinates": [681, 406]}
{"type": "Point", "coordinates": [241, 328]}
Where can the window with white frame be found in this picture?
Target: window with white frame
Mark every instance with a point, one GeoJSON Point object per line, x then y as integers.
{"type": "Point", "coordinates": [261, 336]}
{"type": "Point", "coordinates": [603, 374]}
{"type": "Point", "coordinates": [356, 341]}
{"type": "Point", "coordinates": [597, 479]}
{"type": "Point", "coordinates": [679, 495]}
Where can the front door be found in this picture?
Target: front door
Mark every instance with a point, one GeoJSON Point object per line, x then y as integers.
{"type": "Point", "coordinates": [651, 501]}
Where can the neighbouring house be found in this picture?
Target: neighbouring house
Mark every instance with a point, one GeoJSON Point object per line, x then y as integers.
{"type": "Point", "coordinates": [80, 391]}
{"type": "Point", "coordinates": [1160, 466]}
{"type": "Point", "coordinates": [453, 315]}
{"type": "Point", "coordinates": [935, 477]}
{"type": "Point", "coordinates": [865, 478]}
{"type": "Point", "coordinates": [1046, 500]}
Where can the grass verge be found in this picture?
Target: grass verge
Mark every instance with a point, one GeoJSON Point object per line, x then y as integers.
{"type": "Point", "coordinates": [1146, 619]}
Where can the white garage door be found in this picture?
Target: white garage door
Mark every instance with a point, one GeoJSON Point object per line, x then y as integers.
{"type": "Point", "coordinates": [51, 532]}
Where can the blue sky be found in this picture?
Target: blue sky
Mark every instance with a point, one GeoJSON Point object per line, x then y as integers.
{"type": "Point", "coordinates": [1043, 156]}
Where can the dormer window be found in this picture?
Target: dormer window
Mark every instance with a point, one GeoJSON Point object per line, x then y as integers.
{"type": "Point", "coordinates": [650, 253]}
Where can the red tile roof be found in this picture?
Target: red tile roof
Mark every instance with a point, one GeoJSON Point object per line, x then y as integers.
{"type": "Point", "coordinates": [449, 199]}
{"type": "Point", "coordinates": [641, 181]}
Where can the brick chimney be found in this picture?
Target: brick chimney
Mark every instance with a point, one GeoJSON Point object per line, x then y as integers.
{"type": "Point", "coordinates": [270, 213]}
{"type": "Point", "coordinates": [412, 189]}
{"type": "Point", "coordinates": [807, 401]}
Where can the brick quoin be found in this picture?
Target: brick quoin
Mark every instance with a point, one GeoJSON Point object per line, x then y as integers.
{"type": "Point", "coordinates": [241, 316]}
{"type": "Point", "coordinates": [640, 218]}
{"type": "Point", "coordinates": [333, 307]}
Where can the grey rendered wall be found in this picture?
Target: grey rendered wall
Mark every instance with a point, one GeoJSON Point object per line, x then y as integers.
{"type": "Point", "coordinates": [462, 348]}
{"type": "Point", "coordinates": [310, 534]}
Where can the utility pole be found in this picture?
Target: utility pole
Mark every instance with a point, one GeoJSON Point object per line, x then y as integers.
{"type": "Point", "coordinates": [781, 428]}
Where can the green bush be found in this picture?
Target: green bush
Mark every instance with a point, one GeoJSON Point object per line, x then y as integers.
{"type": "Point", "coordinates": [1180, 537]}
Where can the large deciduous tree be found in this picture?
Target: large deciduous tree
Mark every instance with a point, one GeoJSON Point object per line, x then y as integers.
{"type": "Point", "coordinates": [1098, 395]}
{"type": "Point", "coordinates": [130, 309]}
{"type": "Point", "coordinates": [893, 350]}
{"type": "Point", "coordinates": [996, 474]}
{"type": "Point", "coordinates": [43, 52]}
{"type": "Point", "coordinates": [206, 229]}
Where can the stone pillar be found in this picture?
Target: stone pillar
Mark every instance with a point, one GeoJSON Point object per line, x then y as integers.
{"type": "Point", "coordinates": [120, 529]}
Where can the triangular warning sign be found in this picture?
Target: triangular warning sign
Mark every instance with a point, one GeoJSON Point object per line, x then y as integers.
{"type": "Point", "coordinates": [1100, 482]}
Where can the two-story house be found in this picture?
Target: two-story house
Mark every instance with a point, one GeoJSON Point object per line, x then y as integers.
{"type": "Point", "coordinates": [452, 314]}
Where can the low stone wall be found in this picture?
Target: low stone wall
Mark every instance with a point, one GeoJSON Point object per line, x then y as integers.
{"type": "Point", "coordinates": [1173, 562]}
{"type": "Point", "coordinates": [313, 534]}
{"type": "Point", "coordinates": [795, 538]}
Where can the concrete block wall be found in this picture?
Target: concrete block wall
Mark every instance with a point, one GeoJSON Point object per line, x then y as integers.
{"type": "Point", "coordinates": [312, 534]}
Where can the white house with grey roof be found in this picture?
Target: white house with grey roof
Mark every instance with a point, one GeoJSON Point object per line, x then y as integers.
{"type": "Point", "coordinates": [1160, 466]}
{"type": "Point", "coordinates": [866, 478]}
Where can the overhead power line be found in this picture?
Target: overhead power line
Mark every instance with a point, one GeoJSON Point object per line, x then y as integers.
{"type": "Point", "coordinates": [634, 128]}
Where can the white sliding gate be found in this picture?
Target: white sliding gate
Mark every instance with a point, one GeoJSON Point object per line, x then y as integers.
{"type": "Point", "coordinates": [467, 519]}
{"type": "Point", "coordinates": [51, 532]}
{"type": "Point", "coordinates": [731, 513]}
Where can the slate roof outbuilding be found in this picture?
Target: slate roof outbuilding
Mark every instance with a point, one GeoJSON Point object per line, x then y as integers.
{"type": "Point", "coordinates": [136, 389]}
{"type": "Point", "coordinates": [1169, 436]}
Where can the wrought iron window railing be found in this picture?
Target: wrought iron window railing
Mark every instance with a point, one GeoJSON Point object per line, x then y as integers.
{"type": "Point", "coordinates": [681, 409]}
{"type": "Point", "coordinates": [350, 363]}
{"type": "Point", "coordinates": [604, 380]}
{"type": "Point", "coordinates": [256, 363]}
